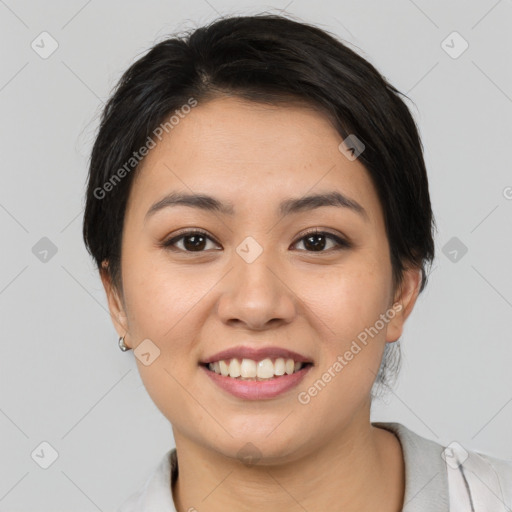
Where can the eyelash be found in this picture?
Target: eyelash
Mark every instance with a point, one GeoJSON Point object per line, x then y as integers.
{"type": "Point", "coordinates": [342, 244]}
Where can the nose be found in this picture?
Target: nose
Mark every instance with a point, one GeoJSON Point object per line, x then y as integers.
{"type": "Point", "coordinates": [256, 295]}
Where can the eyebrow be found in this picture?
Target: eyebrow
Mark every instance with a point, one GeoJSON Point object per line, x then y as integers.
{"type": "Point", "coordinates": [286, 207]}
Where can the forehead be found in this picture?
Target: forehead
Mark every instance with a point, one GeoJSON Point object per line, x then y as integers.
{"type": "Point", "coordinates": [251, 154]}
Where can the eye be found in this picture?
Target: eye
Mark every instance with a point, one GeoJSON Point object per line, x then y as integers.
{"type": "Point", "coordinates": [197, 241]}
{"type": "Point", "coordinates": [317, 240]}
{"type": "Point", "coordinates": [193, 241]}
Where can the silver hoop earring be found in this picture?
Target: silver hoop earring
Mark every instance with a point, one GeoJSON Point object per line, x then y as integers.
{"type": "Point", "coordinates": [122, 346]}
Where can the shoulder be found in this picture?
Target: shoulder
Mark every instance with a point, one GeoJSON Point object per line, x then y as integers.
{"type": "Point", "coordinates": [156, 494]}
{"type": "Point", "coordinates": [462, 479]}
{"type": "Point", "coordinates": [426, 482]}
{"type": "Point", "coordinates": [491, 478]}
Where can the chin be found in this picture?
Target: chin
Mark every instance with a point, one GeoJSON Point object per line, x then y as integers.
{"type": "Point", "coordinates": [260, 448]}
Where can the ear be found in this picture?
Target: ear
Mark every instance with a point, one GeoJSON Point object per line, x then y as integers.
{"type": "Point", "coordinates": [115, 304]}
{"type": "Point", "coordinates": [406, 296]}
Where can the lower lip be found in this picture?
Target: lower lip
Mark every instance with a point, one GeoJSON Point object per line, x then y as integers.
{"type": "Point", "coordinates": [257, 390]}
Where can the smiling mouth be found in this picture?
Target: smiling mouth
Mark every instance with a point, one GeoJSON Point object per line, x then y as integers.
{"type": "Point", "coordinates": [252, 370]}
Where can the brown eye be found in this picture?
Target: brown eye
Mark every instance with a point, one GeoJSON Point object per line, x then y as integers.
{"type": "Point", "coordinates": [317, 241]}
{"type": "Point", "coordinates": [197, 241]}
{"type": "Point", "coordinates": [193, 241]}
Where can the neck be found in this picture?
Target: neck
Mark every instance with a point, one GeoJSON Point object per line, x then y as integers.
{"type": "Point", "coordinates": [361, 469]}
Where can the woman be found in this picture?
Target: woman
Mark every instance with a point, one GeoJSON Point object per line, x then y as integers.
{"type": "Point", "coordinates": [259, 212]}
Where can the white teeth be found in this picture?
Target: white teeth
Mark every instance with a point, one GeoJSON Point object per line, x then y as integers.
{"type": "Point", "coordinates": [224, 370]}
{"type": "Point", "coordinates": [265, 369]}
{"type": "Point", "coordinates": [279, 366]}
{"type": "Point", "coordinates": [249, 369]}
{"type": "Point", "coordinates": [214, 367]}
{"type": "Point", "coordinates": [234, 368]}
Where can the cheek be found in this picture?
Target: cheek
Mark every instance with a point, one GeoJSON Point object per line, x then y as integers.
{"type": "Point", "coordinates": [168, 305]}
{"type": "Point", "coordinates": [348, 299]}
{"type": "Point", "coordinates": [159, 297]}
{"type": "Point", "coordinates": [352, 334]}
{"type": "Point", "coordinates": [163, 305]}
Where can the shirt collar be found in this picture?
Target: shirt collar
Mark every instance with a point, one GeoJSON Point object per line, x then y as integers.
{"type": "Point", "coordinates": [426, 479]}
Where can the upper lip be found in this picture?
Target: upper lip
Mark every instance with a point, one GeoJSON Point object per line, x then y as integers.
{"type": "Point", "coordinates": [256, 354]}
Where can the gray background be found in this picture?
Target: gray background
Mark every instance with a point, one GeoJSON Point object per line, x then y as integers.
{"type": "Point", "coordinates": [63, 379]}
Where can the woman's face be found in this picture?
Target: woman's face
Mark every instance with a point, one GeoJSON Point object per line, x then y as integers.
{"type": "Point", "coordinates": [257, 278]}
